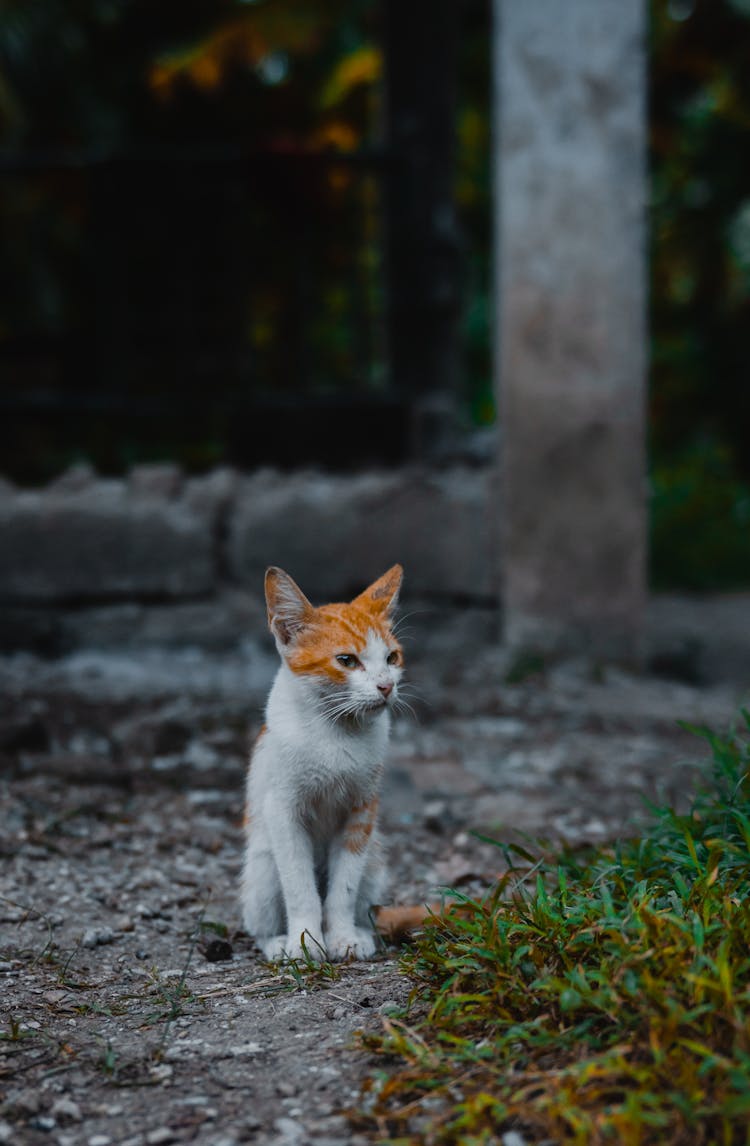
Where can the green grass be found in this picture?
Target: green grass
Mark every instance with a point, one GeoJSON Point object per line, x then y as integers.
{"type": "Point", "coordinates": [307, 973]}
{"type": "Point", "coordinates": [600, 997]}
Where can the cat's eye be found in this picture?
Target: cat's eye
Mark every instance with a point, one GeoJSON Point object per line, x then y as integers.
{"type": "Point", "coordinates": [347, 660]}
{"type": "Point", "coordinates": [392, 658]}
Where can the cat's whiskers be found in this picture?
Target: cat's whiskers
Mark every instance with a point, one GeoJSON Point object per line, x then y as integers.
{"type": "Point", "coordinates": [399, 624]}
{"type": "Point", "coordinates": [412, 693]}
{"type": "Point", "coordinates": [332, 708]}
{"type": "Point", "coordinates": [336, 708]}
{"type": "Point", "coordinates": [405, 634]}
{"type": "Point", "coordinates": [401, 705]}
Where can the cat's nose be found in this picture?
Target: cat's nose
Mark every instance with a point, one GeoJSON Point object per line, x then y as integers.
{"type": "Point", "coordinates": [385, 689]}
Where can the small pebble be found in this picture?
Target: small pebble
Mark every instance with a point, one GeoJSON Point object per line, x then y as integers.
{"type": "Point", "coordinates": [44, 1122]}
{"type": "Point", "coordinates": [27, 1101]}
{"type": "Point", "coordinates": [513, 1138]}
{"type": "Point", "coordinates": [436, 816]}
{"type": "Point", "coordinates": [290, 1130]}
{"type": "Point", "coordinates": [124, 923]}
{"type": "Point", "coordinates": [159, 1136]}
{"type": "Point", "coordinates": [100, 1140]}
{"type": "Point", "coordinates": [66, 1110]}
{"type": "Point", "coordinates": [286, 1089]}
{"type": "Point", "coordinates": [245, 1049]}
{"type": "Point", "coordinates": [162, 1072]}
{"type": "Point", "coordinates": [217, 950]}
{"type": "Point", "coordinates": [389, 1007]}
{"type": "Point", "coordinates": [97, 936]}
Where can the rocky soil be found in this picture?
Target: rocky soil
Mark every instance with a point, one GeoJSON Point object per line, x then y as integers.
{"type": "Point", "coordinates": [132, 1008]}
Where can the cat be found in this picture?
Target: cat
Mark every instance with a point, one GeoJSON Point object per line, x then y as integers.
{"type": "Point", "coordinates": [314, 862]}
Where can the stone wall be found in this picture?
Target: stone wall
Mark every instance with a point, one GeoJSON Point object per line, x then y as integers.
{"type": "Point", "coordinates": [161, 557]}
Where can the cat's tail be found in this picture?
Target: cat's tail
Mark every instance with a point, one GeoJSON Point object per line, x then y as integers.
{"type": "Point", "coordinates": [396, 923]}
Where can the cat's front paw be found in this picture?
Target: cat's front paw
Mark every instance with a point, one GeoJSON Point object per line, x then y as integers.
{"type": "Point", "coordinates": [354, 942]}
{"type": "Point", "coordinates": [304, 946]}
{"type": "Point", "coordinates": [274, 948]}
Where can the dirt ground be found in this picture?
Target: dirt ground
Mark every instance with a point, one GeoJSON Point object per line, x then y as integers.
{"type": "Point", "coordinates": [132, 1009]}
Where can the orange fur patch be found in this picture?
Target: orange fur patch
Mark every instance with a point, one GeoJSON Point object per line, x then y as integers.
{"type": "Point", "coordinates": [360, 825]}
{"type": "Point", "coordinates": [335, 629]}
{"type": "Point", "coordinates": [357, 837]}
{"type": "Point", "coordinates": [386, 587]}
{"type": "Point", "coordinates": [399, 922]}
{"type": "Point", "coordinates": [396, 922]}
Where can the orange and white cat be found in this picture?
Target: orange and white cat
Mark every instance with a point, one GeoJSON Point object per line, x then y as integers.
{"type": "Point", "coordinates": [313, 859]}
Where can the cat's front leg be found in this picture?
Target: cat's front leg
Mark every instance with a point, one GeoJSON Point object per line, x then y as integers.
{"type": "Point", "coordinates": [348, 859]}
{"type": "Point", "coordinates": [293, 852]}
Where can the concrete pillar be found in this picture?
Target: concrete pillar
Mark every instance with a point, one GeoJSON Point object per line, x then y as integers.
{"type": "Point", "coordinates": [569, 102]}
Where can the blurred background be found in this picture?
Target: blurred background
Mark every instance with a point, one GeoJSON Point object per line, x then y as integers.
{"type": "Point", "coordinates": [213, 247]}
{"type": "Point", "coordinates": [248, 316]}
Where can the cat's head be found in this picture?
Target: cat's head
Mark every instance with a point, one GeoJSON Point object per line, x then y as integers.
{"type": "Point", "coordinates": [347, 653]}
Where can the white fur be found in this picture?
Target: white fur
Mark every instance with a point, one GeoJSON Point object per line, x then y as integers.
{"type": "Point", "coordinates": [320, 759]}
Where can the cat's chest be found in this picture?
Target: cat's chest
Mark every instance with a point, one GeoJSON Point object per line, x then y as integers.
{"type": "Point", "coordinates": [316, 757]}
{"type": "Point", "coordinates": [320, 759]}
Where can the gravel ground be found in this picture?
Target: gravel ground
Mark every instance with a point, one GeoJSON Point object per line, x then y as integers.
{"type": "Point", "coordinates": [133, 1009]}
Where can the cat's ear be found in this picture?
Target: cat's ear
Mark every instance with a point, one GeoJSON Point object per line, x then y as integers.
{"type": "Point", "coordinates": [288, 608]}
{"type": "Point", "coordinates": [382, 595]}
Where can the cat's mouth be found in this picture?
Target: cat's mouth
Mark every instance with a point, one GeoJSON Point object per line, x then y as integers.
{"type": "Point", "coordinates": [377, 705]}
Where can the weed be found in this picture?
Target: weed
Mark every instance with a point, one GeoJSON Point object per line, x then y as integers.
{"type": "Point", "coordinates": [108, 1061]}
{"type": "Point", "coordinates": [607, 1002]}
{"type": "Point", "coordinates": [178, 995]}
{"type": "Point", "coordinates": [29, 913]}
{"type": "Point", "coordinates": [214, 927]}
{"type": "Point", "coordinates": [63, 972]}
{"type": "Point", "coordinates": [116, 1009]}
{"type": "Point", "coordinates": [15, 1032]}
{"type": "Point", "coordinates": [312, 970]}
{"type": "Point", "coordinates": [170, 996]}
{"type": "Point", "coordinates": [51, 954]}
